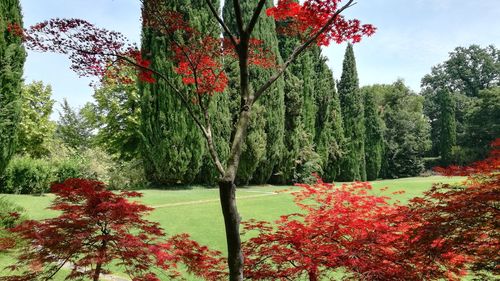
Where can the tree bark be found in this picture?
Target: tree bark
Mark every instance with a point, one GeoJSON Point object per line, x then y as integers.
{"type": "Point", "coordinates": [227, 192]}
{"type": "Point", "coordinates": [97, 272]}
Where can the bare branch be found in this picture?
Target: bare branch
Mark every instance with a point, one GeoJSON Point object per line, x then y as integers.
{"type": "Point", "coordinates": [299, 49]}
{"type": "Point", "coordinates": [239, 16]}
{"type": "Point", "coordinates": [255, 16]}
{"type": "Point", "coordinates": [222, 23]}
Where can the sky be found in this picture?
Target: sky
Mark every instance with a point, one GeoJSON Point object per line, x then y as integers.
{"type": "Point", "coordinates": [412, 36]}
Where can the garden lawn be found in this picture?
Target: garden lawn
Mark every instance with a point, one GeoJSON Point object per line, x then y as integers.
{"type": "Point", "coordinates": [197, 211]}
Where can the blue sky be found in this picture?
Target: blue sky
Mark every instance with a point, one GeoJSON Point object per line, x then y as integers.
{"type": "Point", "coordinates": [412, 36]}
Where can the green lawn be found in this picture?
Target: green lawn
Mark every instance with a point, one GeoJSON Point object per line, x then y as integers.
{"type": "Point", "coordinates": [197, 211]}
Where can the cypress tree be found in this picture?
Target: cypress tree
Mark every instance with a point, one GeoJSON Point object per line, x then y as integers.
{"type": "Point", "coordinates": [374, 140]}
{"type": "Point", "coordinates": [173, 147]}
{"type": "Point", "coordinates": [263, 149]}
{"type": "Point", "coordinates": [329, 137]}
{"type": "Point", "coordinates": [300, 111]}
{"type": "Point", "coordinates": [12, 57]}
{"type": "Point", "coordinates": [447, 124]}
{"type": "Point", "coordinates": [351, 101]}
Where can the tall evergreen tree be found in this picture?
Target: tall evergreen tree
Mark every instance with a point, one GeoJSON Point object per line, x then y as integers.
{"type": "Point", "coordinates": [374, 138]}
{"type": "Point", "coordinates": [173, 148]}
{"type": "Point", "coordinates": [12, 57]}
{"type": "Point", "coordinates": [351, 101]}
{"type": "Point", "coordinates": [329, 137]}
{"type": "Point", "coordinates": [300, 159]}
{"type": "Point", "coordinates": [448, 132]}
{"type": "Point", "coordinates": [264, 145]}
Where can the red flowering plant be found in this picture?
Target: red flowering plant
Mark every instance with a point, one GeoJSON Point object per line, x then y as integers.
{"type": "Point", "coordinates": [96, 227]}
{"type": "Point", "coordinates": [199, 58]}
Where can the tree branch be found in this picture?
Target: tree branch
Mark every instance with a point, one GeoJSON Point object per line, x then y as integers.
{"type": "Point", "coordinates": [299, 49]}
{"type": "Point", "coordinates": [255, 17]}
{"type": "Point", "coordinates": [222, 23]}
{"type": "Point", "coordinates": [239, 16]}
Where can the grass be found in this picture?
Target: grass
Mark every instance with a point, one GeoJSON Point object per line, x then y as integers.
{"type": "Point", "coordinates": [197, 211]}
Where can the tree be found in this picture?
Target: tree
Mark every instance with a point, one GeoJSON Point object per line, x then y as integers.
{"type": "Point", "coordinates": [329, 138]}
{"type": "Point", "coordinates": [172, 147]}
{"type": "Point", "coordinates": [374, 135]}
{"type": "Point", "coordinates": [351, 102]}
{"type": "Point", "coordinates": [96, 227]}
{"type": "Point", "coordinates": [115, 115]}
{"type": "Point", "coordinates": [264, 147]}
{"type": "Point", "coordinates": [12, 56]}
{"type": "Point", "coordinates": [199, 61]}
{"type": "Point", "coordinates": [36, 129]}
{"type": "Point", "coordinates": [467, 71]}
{"type": "Point", "coordinates": [306, 82]}
{"type": "Point", "coordinates": [73, 128]}
{"type": "Point", "coordinates": [481, 126]}
{"type": "Point", "coordinates": [448, 134]}
{"type": "Point", "coordinates": [406, 135]}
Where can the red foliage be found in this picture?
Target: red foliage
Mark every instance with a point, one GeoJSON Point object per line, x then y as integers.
{"type": "Point", "coordinates": [98, 226]}
{"type": "Point", "coordinates": [15, 29]}
{"type": "Point", "coordinates": [441, 235]}
{"type": "Point", "coordinates": [309, 17]}
{"type": "Point", "coordinates": [340, 228]}
{"type": "Point", "coordinates": [99, 52]}
{"type": "Point", "coordinates": [199, 260]}
{"type": "Point", "coordinates": [460, 223]}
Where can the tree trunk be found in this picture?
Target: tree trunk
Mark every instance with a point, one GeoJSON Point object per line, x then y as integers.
{"type": "Point", "coordinates": [97, 272]}
{"type": "Point", "coordinates": [227, 193]}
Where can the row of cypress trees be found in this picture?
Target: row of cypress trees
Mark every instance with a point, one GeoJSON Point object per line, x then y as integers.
{"type": "Point", "coordinates": [12, 57]}
{"type": "Point", "coordinates": [300, 126]}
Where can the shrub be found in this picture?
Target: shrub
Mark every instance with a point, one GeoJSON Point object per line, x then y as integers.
{"type": "Point", "coordinates": [69, 168]}
{"type": "Point", "coordinates": [127, 175]}
{"type": "Point", "coordinates": [8, 211]}
{"type": "Point", "coordinates": [10, 216]}
{"type": "Point", "coordinates": [26, 176]}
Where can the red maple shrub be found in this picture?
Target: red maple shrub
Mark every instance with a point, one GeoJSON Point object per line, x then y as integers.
{"type": "Point", "coordinates": [461, 223]}
{"type": "Point", "coordinates": [340, 228]}
{"type": "Point", "coordinates": [96, 227]}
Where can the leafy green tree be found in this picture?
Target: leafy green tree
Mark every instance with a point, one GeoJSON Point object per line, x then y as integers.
{"type": "Point", "coordinates": [467, 71]}
{"type": "Point", "coordinates": [73, 128]}
{"type": "Point", "coordinates": [448, 133]}
{"type": "Point", "coordinates": [12, 57]}
{"type": "Point", "coordinates": [482, 125]}
{"type": "Point", "coordinates": [258, 162]}
{"type": "Point", "coordinates": [374, 135]}
{"type": "Point", "coordinates": [115, 115]}
{"type": "Point", "coordinates": [351, 101]}
{"type": "Point", "coordinates": [36, 129]}
{"type": "Point", "coordinates": [407, 130]}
